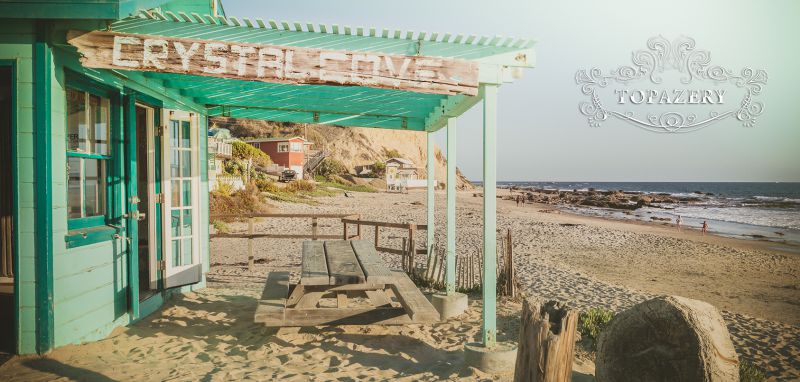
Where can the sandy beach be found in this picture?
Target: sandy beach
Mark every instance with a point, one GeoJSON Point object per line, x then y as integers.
{"type": "Point", "coordinates": [588, 262]}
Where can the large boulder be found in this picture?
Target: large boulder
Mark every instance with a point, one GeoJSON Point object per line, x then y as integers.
{"type": "Point", "coordinates": [667, 338]}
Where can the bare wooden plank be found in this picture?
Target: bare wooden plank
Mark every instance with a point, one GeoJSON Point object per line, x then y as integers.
{"type": "Point", "coordinates": [378, 298]}
{"type": "Point", "coordinates": [274, 63]}
{"type": "Point", "coordinates": [296, 291]}
{"type": "Point", "coordinates": [343, 267]}
{"type": "Point", "coordinates": [372, 264]}
{"type": "Point", "coordinates": [314, 267]}
{"type": "Point", "coordinates": [272, 304]}
{"type": "Point", "coordinates": [309, 300]}
{"type": "Point", "coordinates": [414, 302]}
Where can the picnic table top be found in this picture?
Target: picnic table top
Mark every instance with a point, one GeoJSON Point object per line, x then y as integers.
{"type": "Point", "coordinates": [339, 262]}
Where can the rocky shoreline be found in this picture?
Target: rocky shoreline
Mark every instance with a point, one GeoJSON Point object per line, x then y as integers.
{"type": "Point", "coordinates": [614, 199]}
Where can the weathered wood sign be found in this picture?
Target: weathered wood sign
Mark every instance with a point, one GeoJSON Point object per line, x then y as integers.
{"type": "Point", "coordinates": [273, 63]}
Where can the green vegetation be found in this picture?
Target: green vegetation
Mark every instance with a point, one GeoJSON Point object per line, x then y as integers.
{"type": "Point", "coordinates": [246, 151]}
{"type": "Point", "coordinates": [592, 322]}
{"type": "Point", "coordinates": [750, 373]}
{"type": "Point", "coordinates": [379, 169]}
{"type": "Point", "coordinates": [391, 153]}
{"type": "Point", "coordinates": [330, 166]}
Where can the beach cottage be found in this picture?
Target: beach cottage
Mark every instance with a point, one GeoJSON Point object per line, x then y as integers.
{"type": "Point", "coordinates": [105, 106]}
{"type": "Point", "coordinates": [286, 153]}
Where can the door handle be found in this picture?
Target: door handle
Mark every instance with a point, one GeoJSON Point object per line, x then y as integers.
{"type": "Point", "coordinates": [135, 215]}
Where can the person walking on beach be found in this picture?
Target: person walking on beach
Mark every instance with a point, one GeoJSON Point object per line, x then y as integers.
{"type": "Point", "coordinates": [705, 227]}
{"type": "Point", "coordinates": [518, 198]}
{"type": "Point", "coordinates": [678, 222]}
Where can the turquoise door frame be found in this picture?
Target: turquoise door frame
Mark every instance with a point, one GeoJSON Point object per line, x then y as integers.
{"type": "Point", "coordinates": [12, 64]}
{"type": "Point", "coordinates": [131, 192]}
{"type": "Point", "coordinates": [137, 308]}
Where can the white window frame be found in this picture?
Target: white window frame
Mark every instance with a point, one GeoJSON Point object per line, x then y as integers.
{"type": "Point", "coordinates": [283, 147]}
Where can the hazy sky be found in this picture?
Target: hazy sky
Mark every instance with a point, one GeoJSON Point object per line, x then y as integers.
{"type": "Point", "coordinates": [541, 134]}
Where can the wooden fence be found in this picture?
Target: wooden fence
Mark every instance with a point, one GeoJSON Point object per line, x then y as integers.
{"type": "Point", "coordinates": [408, 249]}
{"type": "Point", "coordinates": [251, 233]}
{"type": "Point", "coordinates": [347, 220]}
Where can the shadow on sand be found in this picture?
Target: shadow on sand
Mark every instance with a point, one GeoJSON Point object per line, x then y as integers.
{"type": "Point", "coordinates": [52, 366]}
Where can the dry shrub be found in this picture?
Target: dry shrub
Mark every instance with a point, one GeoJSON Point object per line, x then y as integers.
{"type": "Point", "coordinates": [300, 185]}
{"type": "Point", "coordinates": [265, 185]}
{"type": "Point", "coordinates": [240, 202]}
{"type": "Point", "coordinates": [340, 180]}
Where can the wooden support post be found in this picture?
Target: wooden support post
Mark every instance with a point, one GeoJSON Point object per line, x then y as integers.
{"type": "Point", "coordinates": [489, 313]}
{"type": "Point", "coordinates": [377, 235]}
{"type": "Point", "coordinates": [358, 229]}
{"type": "Point", "coordinates": [344, 230]}
{"type": "Point", "coordinates": [546, 342]}
{"type": "Point", "coordinates": [250, 232]}
{"type": "Point", "coordinates": [451, 205]}
{"type": "Point", "coordinates": [431, 169]}
{"type": "Point", "coordinates": [313, 228]}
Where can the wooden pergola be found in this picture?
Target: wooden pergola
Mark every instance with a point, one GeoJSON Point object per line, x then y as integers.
{"type": "Point", "coordinates": [327, 74]}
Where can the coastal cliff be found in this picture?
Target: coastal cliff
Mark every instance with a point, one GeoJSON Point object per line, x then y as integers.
{"type": "Point", "coordinates": [353, 146]}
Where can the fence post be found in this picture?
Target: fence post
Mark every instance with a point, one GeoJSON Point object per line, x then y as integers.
{"type": "Point", "coordinates": [344, 226]}
{"type": "Point", "coordinates": [411, 247]}
{"type": "Point", "coordinates": [250, 231]}
{"type": "Point", "coordinates": [358, 228]}
{"type": "Point", "coordinates": [404, 259]}
{"type": "Point", "coordinates": [377, 234]}
{"type": "Point", "coordinates": [314, 228]}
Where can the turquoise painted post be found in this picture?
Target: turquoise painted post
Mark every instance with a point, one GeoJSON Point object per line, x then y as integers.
{"type": "Point", "coordinates": [431, 188]}
{"type": "Point", "coordinates": [43, 59]}
{"type": "Point", "coordinates": [489, 215]}
{"type": "Point", "coordinates": [451, 206]}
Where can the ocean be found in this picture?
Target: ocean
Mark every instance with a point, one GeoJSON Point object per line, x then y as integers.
{"type": "Point", "coordinates": [765, 211]}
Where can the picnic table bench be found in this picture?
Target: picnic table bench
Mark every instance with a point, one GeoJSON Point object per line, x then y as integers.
{"type": "Point", "coordinates": [343, 283]}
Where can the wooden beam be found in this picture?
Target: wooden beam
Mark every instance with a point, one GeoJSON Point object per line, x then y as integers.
{"type": "Point", "coordinates": [274, 63]}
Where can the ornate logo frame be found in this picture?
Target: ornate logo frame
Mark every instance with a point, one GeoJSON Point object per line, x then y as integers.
{"type": "Point", "coordinates": [660, 56]}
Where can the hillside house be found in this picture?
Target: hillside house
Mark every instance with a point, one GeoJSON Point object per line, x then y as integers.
{"type": "Point", "coordinates": [401, 173]}
{"type": "Point", "coordinates": [288, 152]}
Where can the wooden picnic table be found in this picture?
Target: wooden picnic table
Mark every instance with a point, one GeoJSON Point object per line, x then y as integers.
{"type": "Point", "coordinates": [365, 290]}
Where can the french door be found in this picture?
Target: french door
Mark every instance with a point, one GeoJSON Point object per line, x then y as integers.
{"type": "Point", "coordinates": [181, 182]}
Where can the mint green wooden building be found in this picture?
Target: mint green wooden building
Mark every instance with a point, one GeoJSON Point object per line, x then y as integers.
{"type": "Point", "coordinates": [103, 172]}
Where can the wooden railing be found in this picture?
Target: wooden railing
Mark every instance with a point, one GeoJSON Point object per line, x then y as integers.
{"type": "Point", "coordinates": [408, 248]}
{"type": "Point", "coordinates": [251, 234]}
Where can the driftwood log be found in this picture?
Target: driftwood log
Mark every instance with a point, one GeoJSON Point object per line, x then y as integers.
{"type": "Point", "coordinates": [546, 342]}
{"type": "Point", "coordinates": [668, 338]}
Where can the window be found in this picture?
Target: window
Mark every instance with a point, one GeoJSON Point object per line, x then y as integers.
{"type": "Point", "coordinates": [181, 206]}
{"type": "Point", "coordinates": [88, 153]}
{"type": "Point", "coordinates": [297, 146]}
{"type": "Point", "coordinates": [283, 147]}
